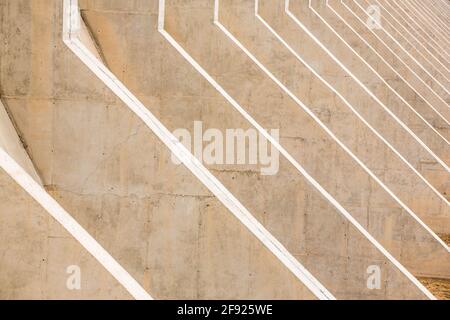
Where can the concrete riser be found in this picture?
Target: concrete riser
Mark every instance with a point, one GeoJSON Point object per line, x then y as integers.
{"type": "Point", "coordinates": [157, 219]}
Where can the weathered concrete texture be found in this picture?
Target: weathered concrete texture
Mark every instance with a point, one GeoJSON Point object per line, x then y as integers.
{"type": "Point", "coordinates": [326, 161]}
{"type": "Point", "coordinates": [155, 218]}
{"type": "Point", "coordinates": [332, 110]}
{"type": "Point", "coordinates": [376, 79]}
{"type": "Point", "coordinates": [386, 47]}
{"type": "Point", "coordinates": [433, 46]}
{"type": "Point", "coordinates": [433, 18]}
{"type": "Point", "coordinates": [439, 287]}
{"type": "Point", "coordinates": [424, 47]}
{"type": "Point", "coordinates": [10, 142]}
{"type": "Point", "coordinates": [402, 49]}
{"type": "Point", "coordinates": [334, 114]}
{"type": "Point", "coordinates": [366, 104]}
{"type": "Point", "coordinates": [357, 33]}
{"type": "Point", "coordinates": [36, 252]}
{"type": "Point", "coordinates": [286, 204]}
{"type": "Point", "coordinates": [106, 168]}
{"type": "Point", "coordinates": [428, 24]}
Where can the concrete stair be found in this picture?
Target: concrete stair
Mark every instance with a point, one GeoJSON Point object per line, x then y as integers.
{"type": "Point", "coordinates": [358, 186]}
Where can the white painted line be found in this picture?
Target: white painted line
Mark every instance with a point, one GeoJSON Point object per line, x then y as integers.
{"type": "Point", "coordinates": [438, 10]}
{"type": "Point", "coordinates": [416, 20]}
{"type": "Point", "coordinates": [319, 122]}
{"type": "Point", "coordinates": [433, 20]}
{"type": "Point", "coordinates": [376, 72]}
{"type": "Point", "coordinates": [444, 5]}
{"type": "Point", "coordinates": [38, 193]}
{"type": "Point", "coordinates": [278, 250]}
{"type": "Point", "coordinates": [432, 30]}
{"type": "Point", "coordinates": [366, 89]}
{"type": "Point", "coordinates": [441, 15]}
{"type": "Point", "coordinates": [317, 41]}
{"type": "Point", "coordinates": [428, 49]}
{"type": "Point", "coordinates": [311, 180]}
{"type": "Point", "coordinates": [421, 41]}
{"type": "Point", "coordinates": [410, 56]}
{"type": "Point", "coordinates": [349, 105]}
{"type": "Point", "coordinates": [192, 163]}
{"type": "Point", "coordinates": [425, 84]}
{"type": "Point", "coordinates": [387, 63]}
{"type": "Point", "coordinates": [438, 83]}
{"type": "Point", "coordinates": [431, 17]}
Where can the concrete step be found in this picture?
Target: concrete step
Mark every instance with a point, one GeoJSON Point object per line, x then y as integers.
{"type": "Point", "coordinates": [45, 254]}
{"type": "Point", "coordinates": [352, 52]}
{"type": "Point", "coordinates": [424, 33]}
{"type": "Point", "coordinates": [429, 53]}
{"type": "Point", "coordinates": [376, 113]}
{"type": "Point", "coordinates": [359, 23]}
{"type": "Point", "coordinates": [386, 164]}
{"type": "Point", "coordinates": [357, 33]}
{"type": "Point", "coordinates": [357, 190]}
{"type": "Point", "coordinates": [117, 179]}
{"type": "Point", "coordinates": [100, 99]}
{"type": "Point", "coordinates": [401, 47]}
{"type": "Point", "coordinates": [215, 112]}
{"type": "Point", "coordinates": [40, 258]}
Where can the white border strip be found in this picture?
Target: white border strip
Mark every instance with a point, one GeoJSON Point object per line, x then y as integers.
{"type": "Point", "coordinates": [39, 194]}
{"type": "Point", "coordinates": [385, 61]}
{"type": "Point", "coordinates": [311, 180]}
{"type": "Point", "coordinates": [347, 103]}
{"type": "Point", "coordinates": [194, 165]}
{"type": "Point", "coordinates": [319, 122]}
{"type": "Point", "coordinates": [370, 93]}
{"type": "Point", "coordinates": [375, 71]}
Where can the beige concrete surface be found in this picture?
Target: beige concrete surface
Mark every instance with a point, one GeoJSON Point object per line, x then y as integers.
{"type": "Point", "coordinates": [375, 81]}
{"type": "Point", "coordinates": [10, 142]}
{"type": "Point", "coordinates": [116, 178]}
{"type": "Point", "coordinates": [370, 108]}
{"type": "Point", "coordinates": [320, 155]}
{"type": "Point", "coordinates": [113, 175]}
{"type": "Point", "coordinates": [331, 110]}
{"type": "Point", "coordinates": [392, 52]}
{"type": "Point", "coordinates": [275, 217]}
{"type": "Point", "coordinates": [428, 25]}
{"type": "Point", "coordinates": [36, 253]}
{"type": "Point", "coordinates": [358, 34]}
{"type": "Point", "coordinates": [431, 51]}
{"type": "Point", "coordinates": [424, 34]}
{"type": "Point", "coordinates": [401, 47]}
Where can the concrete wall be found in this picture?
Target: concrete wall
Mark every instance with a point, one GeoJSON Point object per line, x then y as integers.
{"type": "Point", "coordinates": [112, 174]}
{"type": "Point", "coordinates": [237, 182]}
{"type": "Point", "coordinates": [308, 143]}
{"type": "Point", "coordinates": [37, 252]}
{"type": "Point", "coordinates": [115, 177]}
